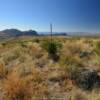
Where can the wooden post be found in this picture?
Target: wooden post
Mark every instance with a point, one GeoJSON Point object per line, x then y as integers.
{"type": "Point", "coordinates": [51, 31]}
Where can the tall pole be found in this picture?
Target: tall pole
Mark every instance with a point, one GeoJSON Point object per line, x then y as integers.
{"type": "Point", "coordinates": [51, 31]}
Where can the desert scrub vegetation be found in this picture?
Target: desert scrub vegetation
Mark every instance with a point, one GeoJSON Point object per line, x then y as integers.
{"type": "Point", "coordinates": [16, 88]}
{"type": "Point", "coordinates": [40, 69]}
{"type": "Point", "coordinates": [53, 48]}
{"type": "Point", "coordinates": [27, 87]}
{"type": "Point", "coordinates": [97, 47]}
{"type": "Point", "coordinates": [3, 71]}
{"type": "Point", "coordinates": [35, 50]}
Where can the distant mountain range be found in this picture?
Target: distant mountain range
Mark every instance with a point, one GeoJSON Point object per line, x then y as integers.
{"type": "Point", "coordinates": [72, 34]}
{"type": "Point", "coordinates": [13, 33]}
{"type": "Point", "coordinates": [16, 32]}
{"type": "Point", "coordinates": [86, 34]}
{"type": "Point", "coordinates": [54, 33]}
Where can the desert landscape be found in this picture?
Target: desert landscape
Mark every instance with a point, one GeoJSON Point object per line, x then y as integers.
{"type": "Point", "coordinates": [36, 68]}
{"type": "Point", "coordinates": [49, 49]}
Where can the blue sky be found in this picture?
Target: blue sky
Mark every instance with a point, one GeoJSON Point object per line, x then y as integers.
{"type": "Point", "coordinates": [66, 15]}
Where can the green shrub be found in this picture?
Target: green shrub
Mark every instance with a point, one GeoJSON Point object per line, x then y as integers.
{"type": "Point", "coordinates": [52, 47]}
{"type": "Point", "coordinates": [22, 43]}
{"type": "Point", "coordinates": [97, 47]}
{"type": "Point", "coordinates": [4, 44]}
{"type": "Point", "coordinates": [36, 40]}
{"type": "Point", "coordinates": [98, 44]}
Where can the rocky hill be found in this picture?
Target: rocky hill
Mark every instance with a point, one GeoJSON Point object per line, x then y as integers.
{"type": "Point", "coordinates": [9, 33]}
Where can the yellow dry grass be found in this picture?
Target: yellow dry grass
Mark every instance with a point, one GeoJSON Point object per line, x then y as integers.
{"type": "Point", "coordinates": [25, 69]}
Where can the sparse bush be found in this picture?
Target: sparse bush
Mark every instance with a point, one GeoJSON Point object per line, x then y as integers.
{"type": "Point", "coordinates": [71, 48]}
{"type": "Point", "coordinates": [69, 60]}
{"type": "Point", "coordinates": [42, 62]}
{"type": "Point", "coordinates": [10, 57]}
{"type": "Point", "coordinates": [22, 58]}
{"type": "Point", "coordinates": [4, 44]}
{"type": "Point", "coordinates": [35, 51]}
{"type": "Point", "coordinates": [16, 88]}
{"type": "Point", "coordinates": [28, 73]}
{"type": "Point", "coordinates": [3, 71]}
{"type": "Point", "coordinates": [52, 47]}
{"type": "Point", "coordinates": [80, 96]}
{"type": "Point", "coordinates": [36, 40]}
{"type": "Point", "coordinates": [27, 87]}
{"type": "Point", "coordinates": [72, 65]}
{"type": "Point", "coordinates": [97, 47]}
{"type": "Point", "coordinates": [73, 71]}
{"type": "Point", "coordinates": [23, 44]}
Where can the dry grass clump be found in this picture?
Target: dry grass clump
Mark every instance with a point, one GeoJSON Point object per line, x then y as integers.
{"type": "Point", "coordinates": [70, 48]}
{"type": "Point", "coordinates": [24, 88]}
{"type": "Point", "coordinates": [75, 48]}
{"type": "Point", "coordinates": [15, 88]}
{"type": "Point", "coordinates": [12, 55]}
{"type": "Point", "coordinates": [72, 65]}
{"type": "Point", "coordinates": [31, 74]}
{"type": "Point", "coordinates": [3, 71]}
{"type": "Point", "coordinates": [77, 53]}
{"type": "Point", "coordinates": [36, 76]}
{"type": "Point", "coordinates": [80, 96]}
{"type": "Point", "coordinates": [40, 92]}
{"type": "Point", "coordinates": [42, 62]}
{"type": "Point", "coordinates": [94, 95]}
{"type": "Point", "coordinates": [22, 70]}
{"type": "Point", "coordinates": [35, 51]}
{"type": "Point", "coordinates": [69, 60]}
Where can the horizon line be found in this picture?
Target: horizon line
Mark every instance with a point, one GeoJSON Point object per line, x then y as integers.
{"type": "Point", "coordinates": [49, 31]}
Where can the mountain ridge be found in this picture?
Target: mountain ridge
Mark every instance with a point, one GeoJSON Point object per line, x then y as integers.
{"type": "Point", "coordinates": [16, 32]}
